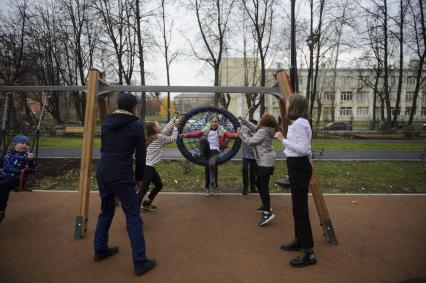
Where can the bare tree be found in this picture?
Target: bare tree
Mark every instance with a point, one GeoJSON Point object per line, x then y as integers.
{"type": "Point", "coordinates": [400, 37]}
{"type": "Point", "coordinates": [169, 56]}
{"type": "Point", "coordinates": [213, 23]}
{"type": "Point", "coordinates": [341, 21]}
{"type": "Point", "coordinates": [116, 17]}
{"type": "Point", "coordinates": [14, 59]}
{"type": "Point", "coordinates": [418, 32]}
{"type": "Point", "coordinates": [318, 43]}
{"type": "Point", "coordinates": [261, 14]}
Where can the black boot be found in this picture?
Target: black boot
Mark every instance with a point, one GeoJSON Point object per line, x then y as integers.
{"type": "Point", "coordinates": [104, 254]}
{"type": "Point", "coordinates": [142, 267]}
{"type": "Point", "coordinates": [308, 258]}
{"type": "Point", "coordinates": [290, 247]}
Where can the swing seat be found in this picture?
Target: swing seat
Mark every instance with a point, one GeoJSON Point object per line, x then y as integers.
{"type": "Point", "coordinates": [23, 179]}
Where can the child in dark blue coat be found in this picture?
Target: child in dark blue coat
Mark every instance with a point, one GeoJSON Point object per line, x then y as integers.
{"type": "Point", "coordinates": [15, 160]}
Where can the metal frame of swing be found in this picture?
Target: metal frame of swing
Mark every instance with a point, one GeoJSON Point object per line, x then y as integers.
{"type": "Point", "coordinates": [97, 89]}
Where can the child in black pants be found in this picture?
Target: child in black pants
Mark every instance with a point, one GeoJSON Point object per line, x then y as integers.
{"type": "Point", "coordinates": [249, 167]}
{"type": "Point", "coordinates": [15, 160]}
{"type": "Point", "coordinates": [298, 151]}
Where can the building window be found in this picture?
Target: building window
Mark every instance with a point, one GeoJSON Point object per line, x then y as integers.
{"type": "Point", "coordinates": [362, 111]}
{"type": "Point", "coordinates": [392, 96]}
{"type": "Point", "coordinates": [407, 111]}
{"type": "Point", "coordinates": [329, 96]}
{"type": "Point", "coordinates": [411, 80]}
{"type": "Point", "coordinates": [346, 111]}
{"type": "Point", "coordinates": [346, 96]}
{"type": "Point", "coordinates": [362, 96]}
{"type": "Point", "coordinates": [423, 111]}
{"type": "Point", "coordinates": [409, 96]}
{"type": "Point", "coordinates": [347, 81]}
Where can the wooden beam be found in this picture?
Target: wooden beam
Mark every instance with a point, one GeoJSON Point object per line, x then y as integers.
{"type": "Point", "coordinates": [86, 156]}
{"type": "Point", "coordinates": [324, 217]}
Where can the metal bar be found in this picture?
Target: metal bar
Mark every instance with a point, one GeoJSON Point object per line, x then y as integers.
{"type": "Point", "coordinates": [36, 88]}
{"type": "Point", "coordinates": [196, 89]}
{"type": "Point", "coordinates": [136, 88]}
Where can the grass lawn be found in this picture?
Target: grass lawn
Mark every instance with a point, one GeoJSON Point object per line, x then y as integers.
{"type": "Point", "coordinates": [337, 144]}
{"type": "Point", "coordinates": [334, 176]}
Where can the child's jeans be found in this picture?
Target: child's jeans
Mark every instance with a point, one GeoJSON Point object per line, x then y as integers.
{"type": "Point", "coordinates": [210, 172]}
{"type": "Point", "coordinates": [7, 183]}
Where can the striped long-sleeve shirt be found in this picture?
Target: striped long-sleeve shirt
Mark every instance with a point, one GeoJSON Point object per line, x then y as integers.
{"type": "Point", "coordinates": [155, 150]}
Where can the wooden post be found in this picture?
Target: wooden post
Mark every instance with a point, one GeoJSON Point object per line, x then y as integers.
{"type": "Point", "coordinates": [86, 156]}
{"type": "Point", "coordinates": [324, 217]}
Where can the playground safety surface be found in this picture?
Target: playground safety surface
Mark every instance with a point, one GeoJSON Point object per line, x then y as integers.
{"type": "Point", "coordinates": [216, 239]}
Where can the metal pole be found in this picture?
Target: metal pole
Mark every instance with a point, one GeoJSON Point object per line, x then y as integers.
{"type": "Point", "coordinates": [293, 65]}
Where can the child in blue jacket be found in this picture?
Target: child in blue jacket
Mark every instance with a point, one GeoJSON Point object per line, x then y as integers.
{"type": "Point", "coordinates": [15, 160]}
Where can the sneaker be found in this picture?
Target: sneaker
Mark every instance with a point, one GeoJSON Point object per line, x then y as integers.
{"type": "Point", "coordinates": [142, 267]}
{"type": "Point", "coordinates": [2, 215]}
{"type": "Point", "coordinates": [290, 247]}
{"type": "Point", "coordinates": [301, 261]}
{"type": "Point", "coordinates": [148, 206]}
{"type": "Point", "coordinates": [266, 218]}
{"type": "Point", "coordinates": [253, 191]}
{"type": "Point", "coordinates": [216, 191]}
{"type": "Point", "coordinates": [107, 253]}
{"type": "Point", "coordinates": [244, 192]}
{"type": "Point", "coordinates": [207, 193]}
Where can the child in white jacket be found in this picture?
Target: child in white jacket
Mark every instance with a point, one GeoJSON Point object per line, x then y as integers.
{"type": "Point", "coordinates": [298, 151]}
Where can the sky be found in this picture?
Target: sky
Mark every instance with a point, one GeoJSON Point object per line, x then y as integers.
{"type": "Point", "coordinates": [186, 70]}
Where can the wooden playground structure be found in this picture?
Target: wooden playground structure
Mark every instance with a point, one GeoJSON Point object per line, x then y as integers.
{"type": "Point", "coordinates": [97, 90]}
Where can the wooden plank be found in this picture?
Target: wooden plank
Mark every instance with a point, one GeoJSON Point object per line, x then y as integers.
{"type": "Point", "coordinates": [86, 156]}
{"type": "Point", "coordinates": [326, 224]}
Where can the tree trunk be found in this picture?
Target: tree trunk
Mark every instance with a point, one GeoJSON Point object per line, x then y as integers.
{"type": "Point", "coordinates": [420, 65]}
{"type": "Point", "coordinates": [386, 66]}
{"type": "Point", "coordinates": [401, 65]}
{"type": "Point", "coordinates": [141, 60]}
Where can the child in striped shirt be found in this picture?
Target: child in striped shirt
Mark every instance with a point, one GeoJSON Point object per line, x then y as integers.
{"type": "Point", "coordinates": [156, 140]}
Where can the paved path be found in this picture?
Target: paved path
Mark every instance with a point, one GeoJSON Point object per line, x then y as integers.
{"type": "Point", "coordinates": [172, 153]}
{"type": "Point", "coordinates": [195, 239]}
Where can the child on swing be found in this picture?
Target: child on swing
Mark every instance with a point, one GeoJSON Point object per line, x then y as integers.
{"type": "Point", "coordinates": [298, 151]}
{"type": "Point", "coordinates": [265, 156]}
{"type": "Point", "coordinates": [212, 141]}
{"type": "Point", "coordinates": [156, 140]}
{"type": "Point", "coordinates": [15, 160]}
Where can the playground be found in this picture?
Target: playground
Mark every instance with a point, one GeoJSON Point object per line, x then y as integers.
{"type": "Point", "coordinates": [381, 239]}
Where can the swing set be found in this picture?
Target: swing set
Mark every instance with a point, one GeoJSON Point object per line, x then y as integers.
{"type": "Point", "coordinates": [97, 91]}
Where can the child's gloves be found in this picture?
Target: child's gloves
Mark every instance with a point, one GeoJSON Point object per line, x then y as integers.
{"type": "Point", "coordinates": [279, 136]}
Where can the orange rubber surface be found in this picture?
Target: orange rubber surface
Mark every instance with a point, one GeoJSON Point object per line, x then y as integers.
{"type": "Point", "coordinates": [216, 239]}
